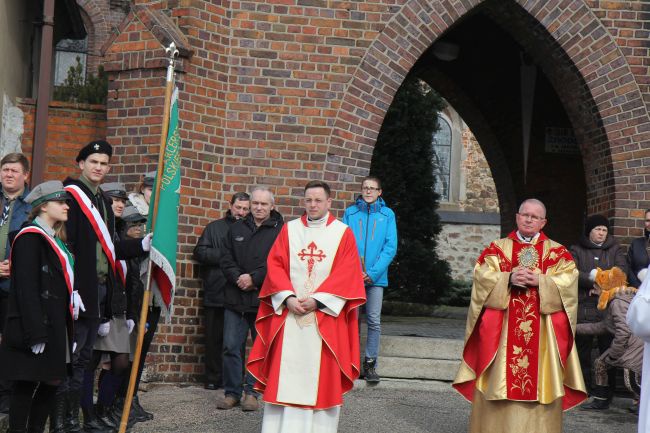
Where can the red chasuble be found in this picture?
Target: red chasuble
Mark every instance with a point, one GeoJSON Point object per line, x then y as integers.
{"type": "Point", "coordinates": [339, 363]}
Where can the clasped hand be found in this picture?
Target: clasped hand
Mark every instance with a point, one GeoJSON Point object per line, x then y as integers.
{"type": "Point", "coordinates": [245, 282]}
{"type": "Point", "coordinates": [524, 277]}
{"type": "Point", "coordinates": [300, 307]}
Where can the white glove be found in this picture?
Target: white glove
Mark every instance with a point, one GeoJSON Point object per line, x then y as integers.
{"type": "Point", "coordinates": [77, 304]}
{"type": "Point", "coordinates": [592, 275]}
{"type": "Point", "coordinates": [104, 329]}
{"type": "Point", "coordinates": [146, 242]}
{"type": "Point", "coordinates": [130, 324]}
{"type": "Point", "coordinates": [642, 274]}
{"type": "Point", "coordinates": [38, 348]}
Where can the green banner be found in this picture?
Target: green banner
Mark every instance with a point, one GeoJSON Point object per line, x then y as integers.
{"type": "Point", "coordinates": [165, 234]}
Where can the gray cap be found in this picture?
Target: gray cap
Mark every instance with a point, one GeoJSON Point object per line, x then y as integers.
{"type": "Point", "coordinates": [47, 191]}
{"type": "Point", "coordinates": [114, 189]}
{"type": "Point", "coordinates": [149, 178]}
{"type": "Point", "coordinates": [131, 214]}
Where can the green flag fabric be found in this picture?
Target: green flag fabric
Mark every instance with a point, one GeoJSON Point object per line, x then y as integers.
{"type": "Point", "coordinates": [165, 234]}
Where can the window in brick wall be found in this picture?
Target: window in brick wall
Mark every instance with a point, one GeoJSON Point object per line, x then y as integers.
{"type": "Point", "coordinates": [67, 52]}
{"type": "Point", "coordinates": [442, 156]}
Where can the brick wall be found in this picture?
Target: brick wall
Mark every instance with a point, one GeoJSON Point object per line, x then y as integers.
{"type": "Point", "coordinates": [281, 92]}
{"type": "Point", "coordinates": [70, 127]}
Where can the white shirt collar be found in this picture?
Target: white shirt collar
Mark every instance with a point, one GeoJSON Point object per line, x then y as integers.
{"type": "Point", "coordinates": [528, 240]}
{"type": "Point", "coordinates": [319, 222]}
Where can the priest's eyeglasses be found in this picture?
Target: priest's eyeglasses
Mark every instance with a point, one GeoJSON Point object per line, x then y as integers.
{"type": "Point", "coordinates": [532, 217]}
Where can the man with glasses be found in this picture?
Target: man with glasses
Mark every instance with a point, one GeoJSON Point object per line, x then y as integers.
{"type": "Point", "coordinates": [375, 230]}
{"type": "Point", "coordinates": [520, 366]}
{"type": "Point", "coordinates": [638, 255]}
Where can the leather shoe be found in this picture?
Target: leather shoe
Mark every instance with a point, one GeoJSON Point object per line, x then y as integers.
{"type": "Point", "coordinates": [596, 404]}
{"type": "Point", "coordinates": [228, 403]}
{"type": "Point", "coordinates": [250, 403]}
{"type": "Point", "coordinates": [211, 386]}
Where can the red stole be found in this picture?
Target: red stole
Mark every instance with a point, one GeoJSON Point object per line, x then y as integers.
{"type": "Point", "coordinates": [523, 333]}
{"type": "Point", "coordinates": [99, 226]}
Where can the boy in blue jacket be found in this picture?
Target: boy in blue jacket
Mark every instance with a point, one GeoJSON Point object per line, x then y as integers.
{"type": "Point", "coordinates": [374, 228]}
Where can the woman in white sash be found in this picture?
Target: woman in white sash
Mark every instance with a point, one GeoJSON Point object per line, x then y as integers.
{"type": "Point", "coordinates": [638, 318]}
{"type": "Point", "coordinates": [37, 343]}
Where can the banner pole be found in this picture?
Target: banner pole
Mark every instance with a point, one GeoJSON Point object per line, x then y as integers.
{"type": "Point", "coordinates": [172, 52]}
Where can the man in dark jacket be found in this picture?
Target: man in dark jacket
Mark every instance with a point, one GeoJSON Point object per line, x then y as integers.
{"type": "Point", "coordinates": [208, 252]}
{"type": "Point", "coordinates": [597, 248]}
{"type": "Point", "coordinates": [638, 255]}
{"type": "Point", "coordinates": [91, 239]}
{"type": "Point", "coordinates": [244, 266]}
{"type": "Point", "coordinates": [14, 171]}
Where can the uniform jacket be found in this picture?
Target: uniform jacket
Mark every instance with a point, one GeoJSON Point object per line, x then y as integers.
{"type": "Point", "coordinates": [18, 217]}
{"type": "Point", "coordinates": [208, 252]}
{"type": "Point", "coordinates": [637, 259]}
{"type": "Point", "coordinates": [626, 350]}
{"type": "Point", "coordinates": [588, 256]}
{"type": "Point", "coordinates": [375, 231]}
{"type": "Point", "coordinates": [38, 312]}
{"type": "Point", "coordinates": [82, 242]}
{"type": "Point", "coordinates": [246, 250]}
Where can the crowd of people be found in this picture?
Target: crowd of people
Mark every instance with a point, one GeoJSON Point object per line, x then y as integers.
{"type": "Point", "coordinates": [70, 292]}
{"type": "Point", "coordinates": [73, 260]}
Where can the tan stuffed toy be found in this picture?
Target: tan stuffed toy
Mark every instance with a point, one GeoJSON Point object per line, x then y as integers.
{"type": "Point", "coordinates": [611, 282]}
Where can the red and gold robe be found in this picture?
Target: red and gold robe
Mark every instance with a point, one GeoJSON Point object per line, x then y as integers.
{"type": "Point", "coordinates": [341, 278]}
{"type": "Point", "coordinates": [519, 342]}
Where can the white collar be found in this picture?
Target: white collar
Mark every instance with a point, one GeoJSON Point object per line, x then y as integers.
{"type": "Point", "coordinates": [319, 222]}
{"type": "Point", "coordinates": [528, 240]}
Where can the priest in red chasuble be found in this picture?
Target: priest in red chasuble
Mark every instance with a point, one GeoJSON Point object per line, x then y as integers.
{"type": "Point", "coordinates": [306, 355]}
{"type": "Point", "coordinates": [520, 367]}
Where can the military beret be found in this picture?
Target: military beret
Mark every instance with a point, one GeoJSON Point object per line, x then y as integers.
{"type": "Point", "coordinates": [115, 189]}
{"type": "Point", "coordinates": [131, 214]}
{"type": "Point", "coordinates": [96, 146]}
{"type": "Point", "coordinates": [47, 191]}
{"type": "Point", "coordinates": [149, 178]}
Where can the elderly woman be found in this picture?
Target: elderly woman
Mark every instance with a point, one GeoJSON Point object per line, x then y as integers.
{"type": "Point", "coordinates": [37, 343]}
{"type": "Point", "coordinates": [597, 248]}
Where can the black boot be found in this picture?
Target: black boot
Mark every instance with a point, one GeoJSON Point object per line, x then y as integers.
{"type": "Point", "coordinates": [92, 424]}
{"type": "Point", "coordinates": [116, 414]}
{"type": "Point", "coordinates": [72, 415]}
{"type": "Point", "coordinates": [139, 409]}
{"type": "Point", "coordinates": [103, 413]}
{"type": "Point", "coordinates": [371, 375]}
{"type": "Point", "coordinates": [57, 414]}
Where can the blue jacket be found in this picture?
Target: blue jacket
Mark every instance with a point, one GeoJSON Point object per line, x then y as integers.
{"type": "Point", "coordinates": [375, 231]}
{"type": "Point", "coordinates": [18, 217]}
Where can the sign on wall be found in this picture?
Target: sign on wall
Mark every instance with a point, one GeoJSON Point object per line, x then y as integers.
{"type": "Point", "coordinates": [560, 140]}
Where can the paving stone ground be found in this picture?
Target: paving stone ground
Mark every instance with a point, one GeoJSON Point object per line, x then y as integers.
{"type": "Point", "coordinates": [394, 406]}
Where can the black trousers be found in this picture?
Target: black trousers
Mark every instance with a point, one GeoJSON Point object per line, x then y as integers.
{"type": "Point", "coordinates": [214, 345]}
{"type": "Point", "coordinates": [5, 385]}
{"type": "Point", "coordinates": [85, 334]}
{"type": "Point", "coordinates": [585, 345]}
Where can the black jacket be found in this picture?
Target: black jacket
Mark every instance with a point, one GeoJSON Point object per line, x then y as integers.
{"type": "Point", "coordinates": [37, 312]}
{"type": "Point", "coordinates": [82, 242]}
{"type": "Point", "coordinates": [124, 301]}
{"type": "Point", "coordinates": [246, 249]}
{"type": "Point", "coordinates": [588, 256]}
{"type": "Point", "coordinates": [208, 252]}
{"type": "Point", "coordinates": [637, 259]}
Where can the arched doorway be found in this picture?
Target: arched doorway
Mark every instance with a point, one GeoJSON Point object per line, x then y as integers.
{"type": "Point", "coordinates": [567, 50]}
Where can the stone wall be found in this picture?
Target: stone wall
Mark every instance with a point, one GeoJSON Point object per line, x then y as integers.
{"type": "Point", "coordinates": [477, 182]}
{"type": "Point", "coordinates": [461, 244]}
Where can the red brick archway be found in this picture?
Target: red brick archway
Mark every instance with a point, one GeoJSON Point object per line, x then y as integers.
{"type": "Point", "coordinates": [608, 135]}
